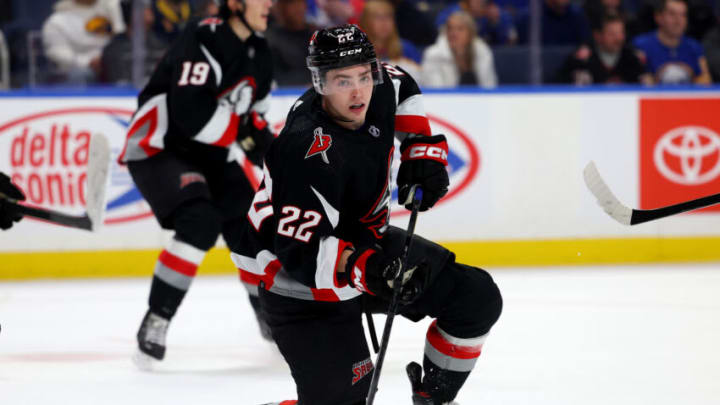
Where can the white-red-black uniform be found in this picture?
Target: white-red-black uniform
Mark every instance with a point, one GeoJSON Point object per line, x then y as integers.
{"type": "Point", "coordinates": [202, 108]}
{"type": "Point", "coordinates": [204, 91]}
{"type": "Point", "coordinates": [326, 187]}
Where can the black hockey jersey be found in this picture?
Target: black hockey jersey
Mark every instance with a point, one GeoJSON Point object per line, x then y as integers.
{"type": "Point", "coordinates": [200, 92]}
{"type": "Point", "coordinates": [326, 187]}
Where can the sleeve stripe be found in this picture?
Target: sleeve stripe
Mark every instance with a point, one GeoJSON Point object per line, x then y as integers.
{"type": "Point", "coordinates": [215, 65]}
{"type": "Point", "coordinates": [412, 105]}
{"type": "Point", "coordinates": [332, 214]}
{"type": "Point", "coordinates": [219, 124]}
{"type": "Point", "coordinates": [326, 262]}
{"type": "Point", "coordinates": [413, 124]}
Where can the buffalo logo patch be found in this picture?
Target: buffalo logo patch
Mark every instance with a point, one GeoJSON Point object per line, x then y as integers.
{"type": "Point", "coordinates": [321, 144]}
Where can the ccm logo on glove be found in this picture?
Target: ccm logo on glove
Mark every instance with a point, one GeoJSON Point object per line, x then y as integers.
{"type": "Point", "coordinates": [434, 152]}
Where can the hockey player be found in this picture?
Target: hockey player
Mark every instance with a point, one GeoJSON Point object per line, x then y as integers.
{"type": "Point", "coordinates": [319, 244]}
{"type": "Point", "coordinates": [8, 189]}
{"type": "Point", "coordinates": [204, 102]}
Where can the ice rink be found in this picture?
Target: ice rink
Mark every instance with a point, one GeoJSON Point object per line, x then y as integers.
{"type": "Point", "coordinates": [568, 336]}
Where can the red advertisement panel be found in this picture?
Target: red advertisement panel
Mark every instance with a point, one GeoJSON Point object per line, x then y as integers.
{"type": "Point", "coordinates": [679, 150]}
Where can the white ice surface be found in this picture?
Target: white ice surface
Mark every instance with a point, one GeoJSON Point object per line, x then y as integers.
{"type": "Point", "coordinates": [603, 335]}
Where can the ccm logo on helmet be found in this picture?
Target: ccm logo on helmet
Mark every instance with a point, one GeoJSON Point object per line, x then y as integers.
{"type": "Point", "coordinates": [428, 151]}
{"type": "Point", "coordinates": [350, 52]}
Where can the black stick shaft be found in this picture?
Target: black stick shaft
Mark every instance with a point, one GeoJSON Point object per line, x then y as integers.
{"type": "Point", "coordinates": [640, 216]}
{"type": "Point", "coordinates": [81, 222]}
{"type": "Point", "coordinates": [397, 286]}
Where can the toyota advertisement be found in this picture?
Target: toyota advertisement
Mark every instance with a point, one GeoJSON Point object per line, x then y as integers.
{"type": "Point", "coordinates": [679, 150]}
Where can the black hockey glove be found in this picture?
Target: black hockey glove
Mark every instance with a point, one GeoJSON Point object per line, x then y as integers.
{"type": "Point", "coordinates": [372, 272]}
{"type": "Point", "coordinates": [423, 161]}
{"type": "Point", "coordinates": [7, 214]}
{"type": "Point", "coordinates": [254, 137]}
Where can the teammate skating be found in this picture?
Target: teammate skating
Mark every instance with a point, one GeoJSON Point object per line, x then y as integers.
{"type": "Point", "coordinates": [319, 244]}
{"type": "Point", "coordinates": [205, 101]}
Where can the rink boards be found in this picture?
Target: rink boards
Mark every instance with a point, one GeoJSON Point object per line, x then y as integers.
{"type": "Point", "coordinates": [516, 157]}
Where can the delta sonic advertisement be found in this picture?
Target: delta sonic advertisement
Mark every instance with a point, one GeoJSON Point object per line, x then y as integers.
{"type": "Point", "coordinates": [44, 149]}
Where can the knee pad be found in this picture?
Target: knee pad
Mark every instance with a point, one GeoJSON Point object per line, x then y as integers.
{"type": "Point", "coordinates": [477, 302]}
{"type": "Point", "coordinates": [198, 223]}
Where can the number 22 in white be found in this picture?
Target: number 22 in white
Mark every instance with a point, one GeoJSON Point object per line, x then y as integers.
{"type": "Point", "coordinates": [302, 232]}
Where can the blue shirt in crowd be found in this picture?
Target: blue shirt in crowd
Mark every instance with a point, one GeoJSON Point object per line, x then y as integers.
{"type": "Point", "coordinates": [671, 65]}
{"type": "Point", "coordinates": [570, 27]}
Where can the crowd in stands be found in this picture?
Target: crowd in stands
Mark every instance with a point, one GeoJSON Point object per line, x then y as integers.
{"type": "Point", "coordinates": [442, 43]}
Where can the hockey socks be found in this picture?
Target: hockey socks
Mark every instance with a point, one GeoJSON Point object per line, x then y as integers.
{"type": "Point", "coordinates": [448, 362]}
{"type": "Point", "coordinates": [174, 272]}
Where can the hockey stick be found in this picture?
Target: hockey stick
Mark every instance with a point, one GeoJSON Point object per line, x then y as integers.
{"type": "Point", "coordinates": [97, 175]}
{"type": "Point", "coordinates": [628, 216]}
{"type": "Point", "coordinates": [416, 194]}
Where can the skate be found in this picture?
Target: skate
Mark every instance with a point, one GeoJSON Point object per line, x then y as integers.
{"type": "Point", "coordinates": [420, 397]}
{"type": "Point", "coordinates": [151, 340]}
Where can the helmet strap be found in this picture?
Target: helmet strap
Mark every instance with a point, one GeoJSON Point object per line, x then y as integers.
{"type": "Point", "coordinates": [226, 14]}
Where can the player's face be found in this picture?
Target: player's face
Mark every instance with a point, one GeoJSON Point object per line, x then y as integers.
{"type": "Point", "coordinates": [256, 14]}
{"type": "Point", "coordinates": [348, 93]}
{"type": "Point", "coordinates": [673, 20]}
{"type": "Point", "coordinates": [612, 37]}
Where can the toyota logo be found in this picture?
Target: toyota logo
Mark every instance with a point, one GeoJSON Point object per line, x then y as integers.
{"type": "Point", "coordinates": [688, 155]}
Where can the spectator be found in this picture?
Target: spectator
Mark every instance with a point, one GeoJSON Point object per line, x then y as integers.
{"type": "Point", "coordinates": [563, 23]}
{"type": "Point", "coordinates": [378, 22]}
{"type": "Point", "coordinates": [117, 56]}
{"type": "Point", "coordinates": [288, 39]}
{"type": "Point", "coordinates": [596, 10]}
{"type": "Point", "coordinates": [413, 24]}
{"type": "Point", "coordinates": [495, 26]}
{"type": "Point", "coordinates": [459, 57]}
{"type": "Point", "coordinates": [672, 57]}
{"type": "Point", "coordinates": [711, 43]}
{"type": "Point", "coordinates": [206, 8]}
{"type": "Point", "coordinates": [328, 13]}
{"type": "Point", "coordinates": [170, 18]}
{"type": "Point", "coordinates": [75, 34]}
{"type": "Point", "coordinates": [700, 16]}
{"type": "Point", "coordinates": [608, 61]}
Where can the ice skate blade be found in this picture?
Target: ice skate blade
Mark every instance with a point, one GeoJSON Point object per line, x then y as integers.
{"type": "Point", "coordinates": [144, 362]}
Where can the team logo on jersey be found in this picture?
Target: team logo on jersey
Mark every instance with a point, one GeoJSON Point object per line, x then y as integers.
{"type": "Point", "coordinates": [361, 369]}
{"type": "Point", "coordinates": [321, 144]}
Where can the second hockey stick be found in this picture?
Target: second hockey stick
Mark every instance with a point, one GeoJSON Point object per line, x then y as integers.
{"type": "Point", "coordinates": [416, 194]}
{"type": "Point", "coordinates": [628, 216]}
{"type": "Point", "coordinates": [97, 176]}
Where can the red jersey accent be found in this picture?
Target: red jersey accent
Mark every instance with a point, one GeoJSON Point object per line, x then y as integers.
{"type": "Point", "coordinates": [412, 124]}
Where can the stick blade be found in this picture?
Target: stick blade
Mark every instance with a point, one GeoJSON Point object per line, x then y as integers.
{"type": "Point", "coordinates": [98, 173]}
{"type": "Point", "coordinates": [605, 198]}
